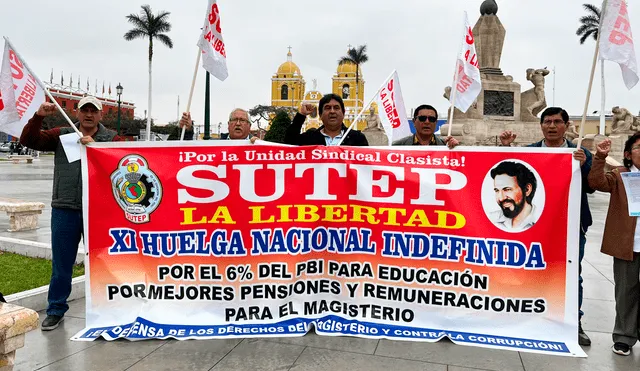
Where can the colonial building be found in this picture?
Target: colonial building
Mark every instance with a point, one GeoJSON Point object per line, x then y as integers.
{"type": "Point", "coordinates": [68, 98]}
{"type": "Point", "coordinates": [288, 90]}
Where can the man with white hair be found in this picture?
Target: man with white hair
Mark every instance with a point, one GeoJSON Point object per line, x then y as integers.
{"type": "Point", "coordinates": [239, 123]}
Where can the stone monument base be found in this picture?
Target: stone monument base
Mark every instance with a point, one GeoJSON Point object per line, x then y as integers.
{"type": "Point", "coordinates": [376, 137]}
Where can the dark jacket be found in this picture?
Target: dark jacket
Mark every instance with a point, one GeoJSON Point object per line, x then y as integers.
{"type": "Point", "coordinates": [411, 140]}
{"type": "Point", "coordinates": [314, 137]}
{"type": "Point", "coordinates": [585, 212]}
{"type": "Point", "coordinates": [67, 178]}
{"type": "Point", "coordinates": [620, 228]}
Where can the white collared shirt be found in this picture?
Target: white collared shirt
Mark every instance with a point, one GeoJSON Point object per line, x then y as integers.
{"type": "Point", "coordinates": [636, 237]}
{"type": "Point", "coordinates": [332, 141]}
{"type": "Point", "coordinates": [500, 220]}
{"type": "Point", "coordinates": [247, 138]}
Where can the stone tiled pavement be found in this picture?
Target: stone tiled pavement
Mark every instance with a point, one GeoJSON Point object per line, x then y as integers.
{"type": "Point", "coordinates": [53, 350]}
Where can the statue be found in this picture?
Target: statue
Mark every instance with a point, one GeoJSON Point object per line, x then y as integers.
{"type": "Point", "coordinates": [623, 121]}
{"type": "Point", "coordinates": [447, 96]}
{"type": "Point", "coordinates": [345, 92]}
{"type": "Point", "coordinates": [537, 78]}
{"type": "Point", "coordinates": [571, 133]}
{"type": "Point", "coordinates": [489, 7]}
{"type": "Point", "coordinates": [373, 121]}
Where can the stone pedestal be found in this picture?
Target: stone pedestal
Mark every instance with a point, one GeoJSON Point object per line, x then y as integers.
{"type": "Point", "coordinates": [15, 322]}
{"type": "Point", "coordinates": [376, 137]}
{"type": "Point", "coordinates": [23, 215]}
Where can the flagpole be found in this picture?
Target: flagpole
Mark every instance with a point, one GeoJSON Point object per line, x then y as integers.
{"type": "Point", "coordinates": [454, 90]}
{"type": "Point", "coordinates": [43, 87]}
{"type": "Point", "coordinates": [193, 85]}
{"type": "Point", "coordinates": [593, 71]}
{"type": "Point", "coordinates": [363, 109]}
{"type": "Point", "coordinates": [603, 98]}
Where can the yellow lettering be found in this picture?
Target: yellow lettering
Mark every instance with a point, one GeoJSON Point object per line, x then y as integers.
{"type": "Point", "coordinates": [393, 215]}
{"type": "Point", "coordinates": [359, 211]}
{"type": "Point", "coordinates": [335, 213]}
{"type": "Point", "coordinates": [442, 219]}
{"type": "Point", "coordinates": [420, 217]}
{"type": "Point", "coordinates": [222, 213]}
{"type": "Point", "coordinates": [256, 215]}
{"type": "Point", "coordinates": [307, 213]}
{"type": "Point", "coordinates": [284, 213]}
{"type": "Point", "coordinates": [187, 217]}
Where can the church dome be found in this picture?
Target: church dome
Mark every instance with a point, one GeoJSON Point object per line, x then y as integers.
{"type": "Point", "coordinates": [288, 67]}
{"type": "Point", "coordinates": [347, 68]}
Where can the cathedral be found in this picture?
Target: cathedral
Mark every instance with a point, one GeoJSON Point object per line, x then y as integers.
{"type": "Point", "coordinates": [288, 89]}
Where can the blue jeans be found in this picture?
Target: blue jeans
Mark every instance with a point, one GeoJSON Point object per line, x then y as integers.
{"type": "Point", "coordinates": [583, 241]}
{"type": "Point", "coordinates": [66, 231]}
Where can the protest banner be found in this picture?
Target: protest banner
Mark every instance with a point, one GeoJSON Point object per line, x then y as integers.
{"type": "Point", "coordinates": [224, 239]}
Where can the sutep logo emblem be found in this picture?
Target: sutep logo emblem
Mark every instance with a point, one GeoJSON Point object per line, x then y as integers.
{"type": "Point", "coordinates": [136, 188]}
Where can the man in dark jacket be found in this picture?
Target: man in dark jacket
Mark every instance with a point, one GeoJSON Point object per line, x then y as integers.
{"type": "Point", "coordinates": [554, 121]}
{"type": "Point", "coordinates": [331, 109]}
{"type": "Point", "coordinates": [425, 118]}
{"type": "Point", "coordinates": [66, 206]}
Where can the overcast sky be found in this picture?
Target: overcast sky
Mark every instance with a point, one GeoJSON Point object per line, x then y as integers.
{"type": "Point", "coordinates": [419, 38]}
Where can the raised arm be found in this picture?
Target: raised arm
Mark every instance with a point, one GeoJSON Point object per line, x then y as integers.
{"type": "Point", "coordinates": [599, 179]}
{"type": "Point", "coordinates": [41, 140]}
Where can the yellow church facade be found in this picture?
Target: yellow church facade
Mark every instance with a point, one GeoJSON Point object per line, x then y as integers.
{"type": "Point", "coordinates": [288, 90]}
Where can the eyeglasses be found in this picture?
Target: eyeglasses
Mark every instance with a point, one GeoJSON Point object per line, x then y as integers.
{"type": "Point", "coordinates": [425, 118]}
{"type": "Point", "coordinates": [238, 119]}
{"type": "Point", "coordinates": [635, 148]}
{"type": "Point", "coordinates": [555, 122]}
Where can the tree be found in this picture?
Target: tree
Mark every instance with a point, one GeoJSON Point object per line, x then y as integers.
{"type": "Point", "coordinates": [278, 127]}
{"type": "Point", "coordinates": [357, 56]}
{"type": "Point", "coordinates": [152, 26]}
{"type": "Point", "coordinates": [590, 23]}
{"type": "Point", "coordinates": [590, 27]}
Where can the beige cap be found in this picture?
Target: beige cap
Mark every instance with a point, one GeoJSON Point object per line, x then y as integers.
{"type": "Point", "coordinates": [90, 100]}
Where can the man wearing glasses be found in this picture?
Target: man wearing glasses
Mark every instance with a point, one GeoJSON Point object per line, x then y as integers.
{"type": "Point", "coordinates": [239, 124]}
{"type": "Point", "coordinates": [554, 122]}
{"type": "Point", "coordinates": [66, 204]}
{"type": "Point", "coordinates": [424, 120]}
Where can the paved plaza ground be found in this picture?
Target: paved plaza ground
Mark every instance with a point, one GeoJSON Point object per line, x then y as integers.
{"type": "Point", "coordinates": [54, 351]}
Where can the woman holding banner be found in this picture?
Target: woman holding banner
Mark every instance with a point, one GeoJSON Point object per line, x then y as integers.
{"type": "Point", "coordinates": [622, 238]}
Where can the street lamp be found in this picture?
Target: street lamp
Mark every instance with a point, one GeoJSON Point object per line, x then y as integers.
{"type": "Point", "coordinates": [119, 92]}
{"type": "Point", "coordinates": [292, 105]}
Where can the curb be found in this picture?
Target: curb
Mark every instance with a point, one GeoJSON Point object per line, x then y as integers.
{"type": "Point", "coordinates": [36, 299]}
{"type": "Point", "coordinates": [32, 249]}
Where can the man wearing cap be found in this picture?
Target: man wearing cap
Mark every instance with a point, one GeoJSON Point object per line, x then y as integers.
{"type": "Point", "coordinates": [66, 206]}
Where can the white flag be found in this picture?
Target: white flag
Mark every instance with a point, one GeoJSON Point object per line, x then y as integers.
{"type": "Point", "coordinates": [20, 93]}
{"type": "Point", "coordinates": [467, 84]}
{"type": "Point", "coordinates": [214, 56]}
{"type": "Point", "coordinates": [616, 41]}
{"type": "Point", "coordinates": [391, 109]}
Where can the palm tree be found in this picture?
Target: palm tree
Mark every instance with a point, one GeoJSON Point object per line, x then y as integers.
{"type": "Point", "coordinates": [590, 27]}
{"type": "Point", "coordinates": [590, 23]}
{"type": "Point", "coordinates": [356, 56]}
{"type": "Point", "coordinates": [152, 26]}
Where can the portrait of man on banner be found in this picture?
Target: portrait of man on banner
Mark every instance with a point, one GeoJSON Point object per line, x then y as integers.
{"type": "Point", "coordinates": [514, 186]}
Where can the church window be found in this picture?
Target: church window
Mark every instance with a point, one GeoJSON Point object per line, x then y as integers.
{"type": "Point", "coordinates": [345, 91]}
{"type": "Point", "coordinates": [284, 92]}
